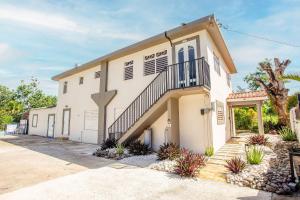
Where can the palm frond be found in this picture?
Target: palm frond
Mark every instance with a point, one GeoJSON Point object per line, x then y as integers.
{"type": "Point", "coordinates": [294, 77]}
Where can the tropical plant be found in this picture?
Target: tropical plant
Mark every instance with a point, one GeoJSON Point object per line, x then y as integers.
{"type": "Point", "coordinates": [189, 163]}
{"type": "Point", "coordinates": [254, 155]}
{"type": "Point", "coordinates": [209, 151]}
{"type": "Point", "coordinates": [138, 148]}
{"type": "Point", "coordinates": [120, 149]}
{"type": "Point", "coordinates": [168, 151]}
{"type": "Point", "coordinates": [258, 140]}
{"type": "Point", "coordinates": [108, 144]}
{"type": "Point", "coordinates": [287, 134]}
{"type": "Point", "coordinates": [292, 77]}
{"type": "Point", "coordinates": [274, 86]}
{"type": "Point", "coordinates": [235, 165]}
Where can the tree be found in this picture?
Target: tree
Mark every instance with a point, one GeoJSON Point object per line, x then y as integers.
{"type": "Point", "coordinates": [13, 103]}
{"type": "Point", "coordinates": [250, 79]}
{"type": "Point", "coordinates": [274, 86]}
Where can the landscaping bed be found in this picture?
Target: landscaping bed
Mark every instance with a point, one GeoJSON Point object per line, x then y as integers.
{"type": "Point", "coordinates": [273, 173]}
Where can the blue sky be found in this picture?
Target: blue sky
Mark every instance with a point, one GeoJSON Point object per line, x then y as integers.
{"type": "Point", "coordinates": [42, 38]}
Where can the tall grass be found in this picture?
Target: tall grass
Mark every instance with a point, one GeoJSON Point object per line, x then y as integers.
{"type": "Point", "coordinates": [254, 155]}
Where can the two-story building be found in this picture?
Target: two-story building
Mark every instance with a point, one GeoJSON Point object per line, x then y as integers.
{"type": "Point", "coordinates": [174, 84]}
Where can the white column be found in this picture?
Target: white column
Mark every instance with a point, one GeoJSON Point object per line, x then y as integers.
{"type": "Point", "coordinates": [233, 122]}
{"type": "Point", "coordinates": [260, 119]}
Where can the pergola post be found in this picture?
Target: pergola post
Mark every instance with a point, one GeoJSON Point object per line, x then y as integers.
{"type": "Point", "coordinates": [259, 118]}
{"type": "Point", "coordinates": [232, 123]}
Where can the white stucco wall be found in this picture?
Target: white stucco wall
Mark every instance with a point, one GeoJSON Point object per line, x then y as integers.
{"type": "Point", "coordinates": [158, 131]}
{"type": "Point", "coordinates": [78, 99]}
{"type": "Point", "coordinates": [42, 121]}
{"type": "Point", "coordinates": [219, 91]}
{"type": "Point", "coordinates": [194, 127]}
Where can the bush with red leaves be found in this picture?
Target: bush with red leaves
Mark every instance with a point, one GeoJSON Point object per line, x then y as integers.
{"type": "Point", "coordinates": [189, 163]}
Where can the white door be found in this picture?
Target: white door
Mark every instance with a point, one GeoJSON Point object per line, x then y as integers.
{"type": "Point", "coordinates": [66, 122]}
{"type": "Point", "coordinates": [51, 122]}
{"type": "Point", "coordinates": [187, 69]}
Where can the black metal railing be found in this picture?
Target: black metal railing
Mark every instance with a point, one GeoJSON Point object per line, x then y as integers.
{"type": "Point", "coordinates": [181, 75]}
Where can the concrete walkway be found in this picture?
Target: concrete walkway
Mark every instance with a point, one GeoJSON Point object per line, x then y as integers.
{"type": "Point", "coordinates": [215, 169]}
{"type": "Point", "coordinates": [131, 183]}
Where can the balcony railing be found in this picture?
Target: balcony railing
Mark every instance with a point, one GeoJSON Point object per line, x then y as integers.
{"type": "Point", "coordinates": [193, 73]}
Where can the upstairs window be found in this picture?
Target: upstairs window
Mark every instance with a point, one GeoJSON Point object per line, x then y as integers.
{"type": "Point", "coordinates": [97, 74]}
{"type": "Point", "coordinates": [217, 65]}
{"type": "Point", "coordinates": [65, 88]}
{"type": "Point", "coordinates": [80, 80]}
{"type": "Point", "coordinates": [128, 70]}
{"type": "Point", "coordinates": [228, 79]}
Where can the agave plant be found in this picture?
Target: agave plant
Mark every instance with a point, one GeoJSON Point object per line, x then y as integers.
{"type": "Point", "coordinates": [287, 134]}
{"type": "Point", "coordinates": [235, 165]}
{"type": "Point", "coordinates": [209, 151]}
{"type": "Point", "coordinates": [254, 155]}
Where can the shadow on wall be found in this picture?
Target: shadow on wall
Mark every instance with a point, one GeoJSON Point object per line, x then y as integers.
{"type": "Point", "coordinates": [69, 151]}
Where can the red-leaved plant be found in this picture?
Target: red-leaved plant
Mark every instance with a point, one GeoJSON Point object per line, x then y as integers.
{"type": "Point", "coordinates": [258, 140]}
{"type": "Point", "coordinates": [235, 165]}
{"type": "Point", "coordinates": [189, 163]}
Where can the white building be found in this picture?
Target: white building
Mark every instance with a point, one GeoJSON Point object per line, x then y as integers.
{"type": "Point", "coordinates": [175, 83]}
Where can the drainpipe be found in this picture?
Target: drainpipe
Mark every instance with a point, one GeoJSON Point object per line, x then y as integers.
{"type": "Point", "coordinates": [168, 38]}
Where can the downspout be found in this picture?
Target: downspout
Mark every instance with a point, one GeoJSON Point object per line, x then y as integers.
{"type": "Point", "coordinates": [168, 38]}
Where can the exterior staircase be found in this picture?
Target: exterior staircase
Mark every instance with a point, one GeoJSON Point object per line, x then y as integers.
{"type": "Point", "coordinates": [152, 101]}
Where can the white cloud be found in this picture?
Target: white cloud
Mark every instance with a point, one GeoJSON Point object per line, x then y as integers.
{"type": "Point", "coordinates": [40, 19]}
{"type": "Point", "coordinates": [7, 53]}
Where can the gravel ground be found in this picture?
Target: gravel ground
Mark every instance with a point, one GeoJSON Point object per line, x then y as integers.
{"type": "Point", "coordinates": [132, 184]}
{"type": "Point", "coordinates": [140, 161]}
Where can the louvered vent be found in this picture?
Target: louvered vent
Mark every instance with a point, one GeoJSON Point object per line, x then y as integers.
{"type": "Point", "coordinates": [161, 64]}
{"type": "Point", "coordinates": [128, 72]}
{"type": "Point", "coordinates": [149, 67]}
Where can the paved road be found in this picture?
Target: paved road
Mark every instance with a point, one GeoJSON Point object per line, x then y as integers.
{"type": "Point", "coordinates": [40, 168]}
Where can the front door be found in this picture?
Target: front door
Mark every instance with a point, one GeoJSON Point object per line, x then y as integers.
{"type": "Point", "coordinates": [66, 122]}
{"type": "Point", "coordinates": [185, 57]}
{"type": "Point", "coordinates": [51, 122]}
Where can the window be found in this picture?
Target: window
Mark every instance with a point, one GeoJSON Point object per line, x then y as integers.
{"type": "Point", "coordinates": [155, 63]}
{"type": "Point", "coordinates": [220, 113]}
{"type": "Point", "coordinates": [34, 120]}
{"type": "Point", "coordinates": [128, 70]}
{"type": "Point", "coordinates": [80, 80]}
{"type": "Point", "coordinates": [65, 89]}
{"type": "Point", "coordinates": [217, 65]}
{"type": "Point", "coordinates": [228, 78]}
{"type": "Point", "coordinates": [97, 74]}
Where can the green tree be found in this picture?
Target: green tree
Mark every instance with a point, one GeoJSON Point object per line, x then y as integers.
{"type": "Point", "coordinates": [13, 103]}
{"type": "Point", "coordinates": [250, 79]}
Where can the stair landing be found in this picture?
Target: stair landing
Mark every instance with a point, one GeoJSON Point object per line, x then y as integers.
{"type": "Point", "coordinates": [215, 169]}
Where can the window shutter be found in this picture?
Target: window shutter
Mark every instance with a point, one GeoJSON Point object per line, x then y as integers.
{"type": "Point", "coordinates": [149, 67]}
{"type": "Point", "coordinates": [161, 64]}
{"type": "Point", "coordinates": [128, 72]}
{"type": "Point", "coordinates": [217, 65]}
{"type": "Point", "coordinates": [220, 113]}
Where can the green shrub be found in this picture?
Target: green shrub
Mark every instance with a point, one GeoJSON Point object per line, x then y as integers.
{"type": "Point", "coordinates": [235, 165]}
{"type": "Point", "coordinates": [258, 140]}
{"type": "Point", "coordinates": [138, 148]}
{"type": "Point", "coordinates": [120, 149]}
{"type": "Point", "coordinates": [189, 163]}
{"type": "Point", "coordinates": [168, 151]}
{"type": "Point", "coordinates": [254, 155]}
{"type": "Point", "coordinates": [287, 134]}
{"type": "Point", "coordinates": [209, 151]}
{"type": "Point", "coordinates": [108, 144]}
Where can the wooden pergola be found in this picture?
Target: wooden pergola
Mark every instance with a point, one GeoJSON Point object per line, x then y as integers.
{"type": "Point", "coordinates": [246, 99]}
